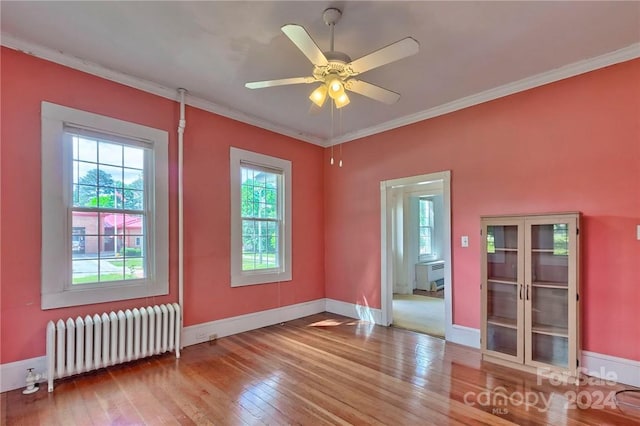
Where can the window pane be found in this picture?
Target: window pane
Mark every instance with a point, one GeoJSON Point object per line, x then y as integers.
{"type": "Point", "coordinates": [110, 175]}
{"type": "Point", "coordinates": [85, 271]}
{"type": "Point", "coordinates": [85, 196]}
{"type": "Point", "coordinates": [133, 200]}
{"type": "Point", "coordinates": [84, 224]}
{"type": "Point", "coordinates": [85, 247]}
{"type": "Point", "coordinates": [133, 246]}
{"type": "Point", "coordinates": [87, 173]}
{"type": "Point", "coordinates": [110, 153]}
{"type": "Point", "coordinates": [111, 270]}
{"type": "Point", "coordinates": [87, 149]}
{"type": "Point", "coordinates": [133, 157]}
{"type": "Point", "coordinates": [82, 173]}
{"type": "Point", "coordinates": [133, 178]}
{"type": "Point", "coordinates": [259, 245]}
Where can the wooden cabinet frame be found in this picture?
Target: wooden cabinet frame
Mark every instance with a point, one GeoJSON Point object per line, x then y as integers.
{"type": "Point", "coordinates": [530, 285]}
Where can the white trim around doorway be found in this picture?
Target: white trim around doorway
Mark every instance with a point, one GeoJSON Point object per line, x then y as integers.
{"type": "Point", "coordinates": [387, 188]}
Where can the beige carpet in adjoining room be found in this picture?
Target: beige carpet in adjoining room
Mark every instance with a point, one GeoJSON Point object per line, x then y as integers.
{"type": "Point", "coordinates": [419, 313]}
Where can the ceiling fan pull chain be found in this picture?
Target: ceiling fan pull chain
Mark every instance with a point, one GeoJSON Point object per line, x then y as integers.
{"type": "Point", "coordinates": [340, 132]}
{"type": "Point", "coordinates": [331, 140]}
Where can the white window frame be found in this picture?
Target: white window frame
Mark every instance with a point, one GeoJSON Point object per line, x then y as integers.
{"type": "Point", "coordinates": [57, 290]}
{"type": "Point", "coordinates": [283, 273]}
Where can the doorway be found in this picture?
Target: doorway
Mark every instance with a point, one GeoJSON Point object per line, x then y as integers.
{"type": "Point", "coordinates": [416, 253]}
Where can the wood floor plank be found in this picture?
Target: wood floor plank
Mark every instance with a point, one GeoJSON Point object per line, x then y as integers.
{"type": "Point", "coordinates": [320, 370]}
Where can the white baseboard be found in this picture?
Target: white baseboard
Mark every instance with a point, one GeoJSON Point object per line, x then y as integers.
{"type": "Point", "coordinates": [352, 310]}
{"type": "Point", "coordinates": [13, 374]}
{"type": "Point", "coordinates": [462, 335]}
{"type": "Point", "coordinates": [609, 367]}
{"type": "Point", "coordinates": [199, 333]}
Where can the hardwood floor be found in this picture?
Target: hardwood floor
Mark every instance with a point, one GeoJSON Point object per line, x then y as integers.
{"type": "Point", "coordinates": [323, 369]}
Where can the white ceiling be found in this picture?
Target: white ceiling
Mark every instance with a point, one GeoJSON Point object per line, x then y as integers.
{"type": "Point", "coordinates": [213, 48]}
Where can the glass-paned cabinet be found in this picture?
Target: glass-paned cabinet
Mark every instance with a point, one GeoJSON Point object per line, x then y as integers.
{"type": "Point", "coordinates": [530, 291]}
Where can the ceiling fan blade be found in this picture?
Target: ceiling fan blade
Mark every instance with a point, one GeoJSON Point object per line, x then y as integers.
{"type": "Point", "coordinates": [281, 82]}
{"type": "Point", "coordinates": [301, 38]}
{"type": "Point", "coordinates": [393, 52]}
{"type": "Point", "coordinates": [372, 91]}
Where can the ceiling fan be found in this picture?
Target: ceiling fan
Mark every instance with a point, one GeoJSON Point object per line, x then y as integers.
{"type": "Point", "coordinates": [336, 70]}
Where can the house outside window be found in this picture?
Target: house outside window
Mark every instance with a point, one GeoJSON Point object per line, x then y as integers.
{"type": "Point", "coordinates": [261, 224]}
{"type": "Point", "coordinates": [105, 208]}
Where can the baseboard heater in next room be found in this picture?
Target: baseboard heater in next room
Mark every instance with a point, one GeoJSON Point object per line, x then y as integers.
{"type": "Point", "coordinates": [84, 344]}
{"type": "Point", "coordinates": [430, 275]}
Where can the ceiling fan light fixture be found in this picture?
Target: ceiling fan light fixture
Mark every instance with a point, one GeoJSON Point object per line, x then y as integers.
{"type": "Point", "coordinates": [319, 95]}
{"type": "Point", "coordinates": [335, 87]}
{"type": "Point", "coordinates": [342, 100]}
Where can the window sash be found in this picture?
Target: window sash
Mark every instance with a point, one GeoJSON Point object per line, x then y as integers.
{"type": "Point", "coordinates": [277, 220]}
{"type": "Point", "coordinates": [277, 254]}
{"type": "Point", "coordinates": [100, 234]}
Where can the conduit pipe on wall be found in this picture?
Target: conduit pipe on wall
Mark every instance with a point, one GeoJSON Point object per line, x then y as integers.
{"type": "Point", "coordinates": [181, 126]}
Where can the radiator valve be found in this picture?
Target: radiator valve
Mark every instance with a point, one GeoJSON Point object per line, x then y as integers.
{"type": "Point", "coordinates": [32, 382]}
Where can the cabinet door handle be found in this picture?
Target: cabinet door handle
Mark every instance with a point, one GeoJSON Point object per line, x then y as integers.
{"type": "Point", "coordinates": [528, 292]}
{"type": "Point", "coordinates": [520, 292]}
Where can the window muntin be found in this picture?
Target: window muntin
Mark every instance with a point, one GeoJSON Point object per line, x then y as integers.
{"type": "Point", "coordinates": [109, 204]}
{"type": "Point", "coordinates": [260, 218]}
{"type": "Point", "coordinates": [425, 227]}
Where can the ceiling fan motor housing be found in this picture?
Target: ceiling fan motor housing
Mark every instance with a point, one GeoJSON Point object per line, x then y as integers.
{"type": "Point", "coordinates": [337, 64]}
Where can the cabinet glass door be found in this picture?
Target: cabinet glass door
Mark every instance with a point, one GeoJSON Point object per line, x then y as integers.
{"type": "Point", "coordinates": [546, 294]}
{"type": "Point", "coordinates": [503, 289]}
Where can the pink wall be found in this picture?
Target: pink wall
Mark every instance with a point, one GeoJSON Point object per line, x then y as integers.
{"type": "Point", "coordinates": [26, 81]}
{"type": "Point", "coordinates": [208, 295]}
{"type": "Point", "coordinates": [571, 145]}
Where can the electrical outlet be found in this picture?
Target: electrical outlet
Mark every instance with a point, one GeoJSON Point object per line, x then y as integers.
{"type": "Point", "coordinates": [464, 241]}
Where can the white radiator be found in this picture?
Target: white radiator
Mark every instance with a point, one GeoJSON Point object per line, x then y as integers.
{"type": "Point", "coordinates": [428, 273]}
{"type": "Point", "coordinates": [83, 344]}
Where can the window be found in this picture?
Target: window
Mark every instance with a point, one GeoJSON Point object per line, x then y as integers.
{"type": "Point", "coordinates": [260, 218]}
{"type": "Point", "coordinates": [105, 215]}
{"type": "Point", "coordinates": [425, 231]}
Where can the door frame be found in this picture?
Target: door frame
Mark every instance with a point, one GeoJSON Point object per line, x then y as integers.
{"type": "Point", "coordinates": [387, 189]}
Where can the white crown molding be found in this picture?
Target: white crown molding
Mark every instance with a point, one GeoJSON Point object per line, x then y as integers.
{"type": "Point", "coordinates": [622, 55]}
{"type": "Point", "coordinates": [93, 68]}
